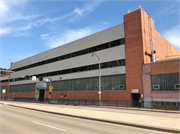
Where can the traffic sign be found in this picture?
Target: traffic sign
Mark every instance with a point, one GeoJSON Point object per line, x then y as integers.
{"type": "Point", "coordinates": [48, 79]}
{"type": "Point", "coordinates": [99, 91]}
{"type": "Point", "coordinates": [33, 78]}
{"type": "Point", "coordinates": [51, 87]}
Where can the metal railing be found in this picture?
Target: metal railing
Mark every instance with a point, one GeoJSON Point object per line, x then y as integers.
{"type": "Point", "coordinates": [105, 103]}
{"type": "Point", "coordinates": [135, 8]}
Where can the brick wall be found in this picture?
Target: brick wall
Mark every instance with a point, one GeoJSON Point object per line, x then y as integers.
{"type": "Point", "coordinates": [137, 42]}
{"type": "Point", "coordinates": [89, 95]}
{"type": "Point", "coordinates": [165, 67]}
{"type": "Point", "coordinates": [164, 48]}
{"type": "Point", "coordinates": [133, 51]}
{"type": "Point", "coordinates": [159, 68]}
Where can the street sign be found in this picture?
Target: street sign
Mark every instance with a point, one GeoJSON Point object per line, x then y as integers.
{"type": "Point", "coordinates": [134, 90]}
{"type": "Point", "coordinates": [4, 91]}
{"type": "Point", "coordinates": [47, 79]}
{"type": "Point", "coordinates": [51, 87]}
{"type": "Point", "coordinates": [99, 91]}
{"type": "Point", "coordinates": [33, 78]}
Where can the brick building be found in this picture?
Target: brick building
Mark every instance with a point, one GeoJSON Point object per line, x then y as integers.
{"type": "Point", "coordinates": [123, 50]}
{"type": "Point", "coordinates": [161, 83]}
{"type": "Point", "coordinates": [4, 79]}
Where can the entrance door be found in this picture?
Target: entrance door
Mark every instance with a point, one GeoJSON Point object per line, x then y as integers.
{"type": "Point", "coordinates": [41, 94]}
{"type": "Point", "coordinates": [136, 99]}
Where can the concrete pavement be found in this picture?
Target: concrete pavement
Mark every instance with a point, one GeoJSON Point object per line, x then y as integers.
{"type": "Point", "coordinates": [169, 122]}
{"type": "Point", "coordinates": [15, 120]}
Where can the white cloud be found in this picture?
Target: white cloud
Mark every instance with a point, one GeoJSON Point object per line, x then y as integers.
{"type": "Point", "coordinates": [70, 35]}
{"type": "Point", "coordinates": [11, 13]}
{"type": "Point", "coordinates": [173, 36]}
{"type": "Point", "coordinates": [170, 9]}
{"type": "Point", "coordinates": [89, 7]}
{"type": "Point", "coordinates": [44, 36]}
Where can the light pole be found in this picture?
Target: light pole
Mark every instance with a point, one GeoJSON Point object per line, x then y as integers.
{"type": "Point", "coordinates": [99, 92]}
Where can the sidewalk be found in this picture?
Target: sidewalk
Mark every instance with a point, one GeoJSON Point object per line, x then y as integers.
{"type": "Point", "coordinates": [169, 122]}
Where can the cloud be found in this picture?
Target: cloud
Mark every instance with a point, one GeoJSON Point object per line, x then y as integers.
{"type": "Point", "coordinates": [44, 36]}
{"type": "Point", "coordinates": [170, 9]}
{"type": "Point", "coordinates": [173, 36]}
{"type": "Point", "coordinates": [14, 11]}
{"type": "Point", "coordinates": [70, 35]}
{"type": "Point", "coordinates": [87, 8]}
{"type": "Point", "coordinates": [10, 14]}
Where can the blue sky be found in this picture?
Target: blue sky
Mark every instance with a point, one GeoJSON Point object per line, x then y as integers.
{"type": "Point", "coordinates": [29, 27]}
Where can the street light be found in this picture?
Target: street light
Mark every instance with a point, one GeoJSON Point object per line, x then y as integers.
{"type": "Point", "coordinates": [99, 78]}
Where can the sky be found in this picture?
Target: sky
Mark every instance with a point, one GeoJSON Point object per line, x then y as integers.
{"type": "Point", "coordinates": [29, 27]}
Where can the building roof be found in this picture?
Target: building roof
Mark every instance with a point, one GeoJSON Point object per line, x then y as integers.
{"type": "Point", "coordinates": [165, 60]}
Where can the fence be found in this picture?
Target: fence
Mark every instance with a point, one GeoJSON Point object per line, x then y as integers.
{"type": "Point", "coordinates": [108, 103]}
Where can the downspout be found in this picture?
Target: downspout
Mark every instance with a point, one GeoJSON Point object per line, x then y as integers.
{"type": "Point", "coordinates": [153, 54]}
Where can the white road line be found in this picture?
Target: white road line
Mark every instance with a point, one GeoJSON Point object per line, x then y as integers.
{"type": "Point", "coordinates": [49, 126]}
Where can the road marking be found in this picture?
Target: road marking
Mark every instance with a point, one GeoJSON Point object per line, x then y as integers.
{"type": "Point", "coordinates": [49, 126]}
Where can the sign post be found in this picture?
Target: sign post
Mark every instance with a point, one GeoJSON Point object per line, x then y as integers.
{"type": "Point", "coordinates": [3, 91]}
{"type": "Point", "coordinates": [50, 91]}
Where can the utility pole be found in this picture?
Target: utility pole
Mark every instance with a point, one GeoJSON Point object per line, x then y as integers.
{"type": "Point", "coordinates": [99, 92]}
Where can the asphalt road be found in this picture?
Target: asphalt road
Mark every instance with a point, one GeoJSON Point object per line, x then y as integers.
{"type": "Point", "coordinates": [22, 121]}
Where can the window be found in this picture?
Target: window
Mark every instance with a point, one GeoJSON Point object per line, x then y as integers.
{"type": "Point", "coordinates": [96, 87]}
{"type": "Point", "coordinates": [167, 82]}
{"type": "Point", "coordinates": [173, 103]}
{"type": "Point", "coordinates": [78, 69]}
{"type": "Point", "coordinates": [85, 51]}
{"type": "Point", "coordinates": [176, 86]}
{"type": "Point", "coordinates": [65, 57]}
{"type": "Point", "coordinates": [81, 88]}
{"type": "Point", "coordinates": [121, 86]}
{"type": "Point", "coordinates": [122, 41]}
{"type": "Point", "coordinates": [177, 104]}
{"type": "Point", "coordinates": [113, 43]}
{"type": "Point", "coordinates": [168, 103]}
{"type": "Point", "coordinates": [156, 86]}
{"type": "Point", "coordinates": [66, 71]}
{"type": "Point", "coordinates": [93, 67]}
{"type": "Point", "coordinates": [105, 65]}
{"type": "Point", "coordinates": [157, 103]}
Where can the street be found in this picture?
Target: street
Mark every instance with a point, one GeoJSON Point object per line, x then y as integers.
{"type": "Point", "coordinates": [22, 121]}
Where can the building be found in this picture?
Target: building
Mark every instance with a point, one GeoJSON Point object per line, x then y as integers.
{"type": "Point", "coordinates": [4, 79]}
{"type": "Point", "coordinates": [123, 50]}
{"type": "Point", "coordinates": [161, 83]}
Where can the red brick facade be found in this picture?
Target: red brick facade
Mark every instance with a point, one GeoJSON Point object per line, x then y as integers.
{"type": "Point", "coordinates": [137, 42]}
{"type": "Point", "coordinates": [165, 67]}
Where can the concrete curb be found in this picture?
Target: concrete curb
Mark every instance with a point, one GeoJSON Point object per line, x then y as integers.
{"type": "Point", "coordinates": [122, 108]}
{"type": "Point", "coordinates": [107, 121]}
